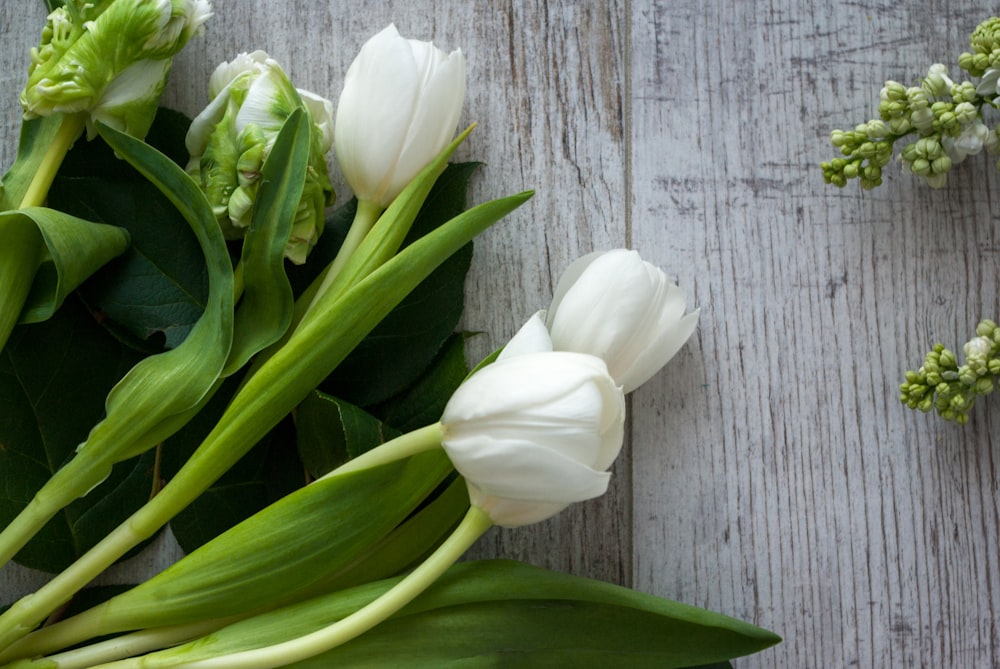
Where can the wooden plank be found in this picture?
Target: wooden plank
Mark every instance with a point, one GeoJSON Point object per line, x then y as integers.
{"type": "Point", "coordinates": [780, 481]}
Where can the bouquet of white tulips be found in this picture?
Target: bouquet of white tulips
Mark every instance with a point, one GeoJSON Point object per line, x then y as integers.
{"type": "Point", "coordinates": [407, 463]}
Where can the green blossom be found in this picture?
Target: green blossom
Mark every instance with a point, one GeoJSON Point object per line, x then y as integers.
{"type": "Point", "coordinates": [109, 58]}
{"type": "Point", "coordinates": [229, 141]}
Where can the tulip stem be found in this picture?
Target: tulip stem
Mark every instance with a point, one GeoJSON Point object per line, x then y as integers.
{"type": "Point", "coordinates": [364, 218]}
{"type": "Point", "coordinates": [403, 446]}
{"type": "Point", "coordinates": [475, 523]}
{"type": "Point", "coordinates": [69, 131]}
{"type": "Point", "coordinates": [109, 650]}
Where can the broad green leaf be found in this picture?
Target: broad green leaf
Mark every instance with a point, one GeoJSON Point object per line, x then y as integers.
{"type": "Point", "coordinates": [159, 286]}
{"type": "Point", "coordinates": [423, 402]}
{"type": "Point", "coordinates": [53, 380]}
{"type": "Point", "coordinates": [141, 409]}
{"type": "Point", "coordinates": [73, 249]}
{"type": "Point", "coordinates": [499, 613]}
{"type": "Point", "coordinates": [265, 309]}
{"type": "Point", "coordinates": [331, 431]}
{"type": "Point", "coordinates": [407, 545]}
{"type": "Point", "coordinates": [282, 550]}
{"type": "Point", "coordinates": [402, 346]}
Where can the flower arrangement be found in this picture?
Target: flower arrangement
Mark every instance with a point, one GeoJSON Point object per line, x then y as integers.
{"type": "Point", "coordinates": [407, 465]}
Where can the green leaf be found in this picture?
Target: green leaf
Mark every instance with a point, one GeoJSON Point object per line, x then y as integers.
{"type": "Point", "coordinates": [405, 343]}
{"type": "Point", "coordinates": [159, 286]}
{"type": "Point", "coordinates": [283, 549]}
{"type": "Point", "coordinates": [266, 307]}
{"type": "Point", "coordinates": [331, 431]}
{"type": "Point", "coordinates": [73, 250]}
{"type": "Point", "coordinates": [499, 613]}
{"type": "Point", "coordinates": [53, 379]}
{"type": "Point", "coordinates": [423, 402]}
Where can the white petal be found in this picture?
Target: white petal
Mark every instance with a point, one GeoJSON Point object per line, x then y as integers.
{"type": "Point", "coordinates": [533, 337]}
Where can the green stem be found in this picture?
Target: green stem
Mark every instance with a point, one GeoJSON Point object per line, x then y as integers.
{"type": "Point", "coordinates": [403, 446]}
{"type": "Point", "coordinates": [475, 523]}
{"type": "Point", "coordinates": [69, 131]}
{"type": "Point", "coordinates": [364, 219]}
{"type": "Point", "coordinates": [71, 481]}
{"type": "Point", "coordinates": [110, 650]}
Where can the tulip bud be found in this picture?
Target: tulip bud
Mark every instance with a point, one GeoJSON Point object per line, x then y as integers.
{"type": "Point", "coordinates": [534, 433]}
{"type": "Point", "coordinates": [615, 306]}
{"type": "Point", "coordinates": [109, 58]}
{"type": "Point", "coordinates": [229, 141]}
{"type": "Point", "coordinates": [399, 108]}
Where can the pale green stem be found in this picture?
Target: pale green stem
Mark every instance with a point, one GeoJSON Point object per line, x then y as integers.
{"type": "Point", "coordinates": [69, 131]}
{"type": "Point", "coordinates": [124, 646]}
{"type": "Point", "coordinates": [238, 281]}
{"type": "Point", "coordinates": [475, 523]}
{"type": "Point", "coordinates": [364, 219]}
{"type": "Point", "coordinates": [403, 446]}
{"type": "Point", "coordinates": [71, 481]}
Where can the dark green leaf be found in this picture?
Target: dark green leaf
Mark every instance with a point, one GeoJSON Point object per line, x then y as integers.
{"type": "Point", "coordinates": [401, 347]}
{"type": "Point", "coordinates": [423, 402]}
{"type": "Point", "coordinates": [246, 488]}
{"type": "Point", "coordinates": [331, 432]}
{"type": "Point", "coordinates": [160, 285]}
{"type": "Point", "coordinates": [53, 380]}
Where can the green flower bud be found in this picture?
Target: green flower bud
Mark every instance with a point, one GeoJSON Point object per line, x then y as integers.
{"type": "Point", "coordinates": [109, 58]}
{"type": "Point", "coordinates": [230, 140]}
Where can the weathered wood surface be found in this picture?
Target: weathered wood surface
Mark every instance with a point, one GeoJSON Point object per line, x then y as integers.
{"type": "Point", "coordinates": [770, 472]}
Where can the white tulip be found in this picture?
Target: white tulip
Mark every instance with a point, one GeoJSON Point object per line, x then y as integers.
{"type": "Point", "coordinates": [398, 110]}
{"type": "Point", "coordinates": [534, 433]}
{"type": "Point", "coordinates": [615, 306]}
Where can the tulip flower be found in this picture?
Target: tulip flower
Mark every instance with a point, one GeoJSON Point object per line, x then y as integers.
{"type": "Point", "coordinates": [229, 141]}
{"type": "Point", "coordinates": [531, 434]}
{"type": "Point", "coordinates": [109, 59]}
{"type": "Point", "coordinates": [615, 306]}
{"type": "Point", "coordinates": [399, 108]}
{"type": "Point", "coordinates": [534, 433]}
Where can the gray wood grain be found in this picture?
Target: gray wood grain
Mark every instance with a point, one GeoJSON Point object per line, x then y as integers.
{"type": "Point", "coordinates": [770, 472]}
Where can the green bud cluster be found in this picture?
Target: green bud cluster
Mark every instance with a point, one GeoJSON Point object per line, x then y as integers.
{"type": "Point", "coordinates": [942, 118]}
{"type": "Point", "coordinates": [985, 43]}
{"type": "Point", "coordinates": [949, 388]}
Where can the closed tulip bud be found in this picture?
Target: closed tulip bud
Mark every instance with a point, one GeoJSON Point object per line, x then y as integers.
{"type": "Point", "coordinates": [398, 110]}
{"type": "Point", "coordinates": [230, 140]}
{"type": "Point", "coordinates": [615, 306]}
{"type": "Point", "coordinates": [534, 433]}
{"type": "Point", "coordinates": [109, 58]}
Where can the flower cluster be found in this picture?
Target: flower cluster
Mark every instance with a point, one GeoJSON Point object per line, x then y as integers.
{"type": "Point", "coordinates": [949, 388]}
{"type": "Point", "coordinates": [940, 119]}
